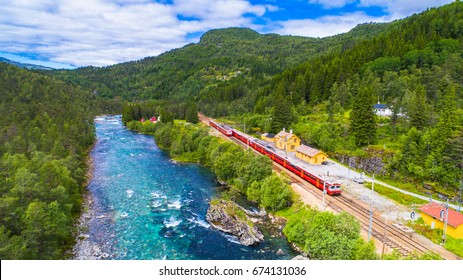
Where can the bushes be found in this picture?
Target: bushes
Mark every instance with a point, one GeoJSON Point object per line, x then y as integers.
{"type": "Point", "coordinates": [324, 235]}
{"type": "Point", "coordinates": [272, 192]}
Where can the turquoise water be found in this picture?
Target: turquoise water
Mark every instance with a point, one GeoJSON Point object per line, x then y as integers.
{"type": "Point", "coordinates": [150, 207]}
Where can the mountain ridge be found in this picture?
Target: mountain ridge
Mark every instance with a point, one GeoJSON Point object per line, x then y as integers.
{"type": "Point", "coordinates": [25, 65]}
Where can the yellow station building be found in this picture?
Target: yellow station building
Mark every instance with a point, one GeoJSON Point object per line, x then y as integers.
{"type": "Point", "coordinates": [431, 214]}
{"type": "Point", "coordinates": [287, 141]}
{"type": "Point", "coordinates": [311, 155]}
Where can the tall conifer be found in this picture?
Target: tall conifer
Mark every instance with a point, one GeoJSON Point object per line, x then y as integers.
{"type": "Point", "coordinates": [362, 119]}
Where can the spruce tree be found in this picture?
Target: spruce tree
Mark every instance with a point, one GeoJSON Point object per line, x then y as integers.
{"type": "Point", "coordinates": [282, 116]}
{"type": "Point", "coordinates": [418, 109]}
{"type": "Point", "coordinates": [362, 119]}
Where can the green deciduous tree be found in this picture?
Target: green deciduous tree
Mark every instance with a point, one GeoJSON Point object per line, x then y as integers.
{"type": "Point", "coordinates": [332, 236]}
{"type": "Point", "coordinates": [275, 193]}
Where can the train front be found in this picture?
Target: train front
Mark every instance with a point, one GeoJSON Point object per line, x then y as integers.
{"type": "Point", "coordinates": [334, 188]}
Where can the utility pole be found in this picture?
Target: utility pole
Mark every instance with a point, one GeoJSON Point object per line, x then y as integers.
{"type": "Point", "coordinates": [459, 196]}
{"type": "Point", "coordinates": [373, 184]}
{"type": "Point", "coordinates": [446, 217]}
{"type": "Point", "coordinates": [323, 199]}
{"type": "Point", "coordinates": [371, 210]}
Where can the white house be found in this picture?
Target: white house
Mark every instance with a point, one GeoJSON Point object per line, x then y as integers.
{"type": "Point", "coordinates": [382, 110]}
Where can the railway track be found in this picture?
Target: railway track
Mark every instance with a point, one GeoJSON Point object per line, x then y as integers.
{"type": "Point", "coordinates": [394, 238]}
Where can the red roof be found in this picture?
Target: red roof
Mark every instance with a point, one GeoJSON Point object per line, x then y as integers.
{"type": "Point", "coordinates": [308, 150]}
{"type": "Point", "coordinates": [433, 209]}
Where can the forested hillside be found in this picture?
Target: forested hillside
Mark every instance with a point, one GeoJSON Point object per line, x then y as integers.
{"type": "Point", "coordinates": [223, 57]}
{"type": "Point", "coordinates": [46, 130]}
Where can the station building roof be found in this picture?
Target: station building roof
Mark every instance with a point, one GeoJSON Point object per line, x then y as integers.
{"type": "Point", "coordinates": [308, 150]}
{"type": "Point", "coordinates": [434, 209]}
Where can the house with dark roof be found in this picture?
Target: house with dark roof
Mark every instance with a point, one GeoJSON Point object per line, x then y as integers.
{"type": "Point", "coordinates": [433, 215]}
{"type": "Point", "coordinates": [311, 155]}
{"type": "Point", "coordinates": [382, 110]}
{"type": "Point", "coordinates": [268, 137]}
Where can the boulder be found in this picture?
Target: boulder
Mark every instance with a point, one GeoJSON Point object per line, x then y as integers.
{"type": "Point", "coordinates": [228, 217]}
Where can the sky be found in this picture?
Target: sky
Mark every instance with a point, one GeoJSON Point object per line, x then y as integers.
{"type": "Point", "coordinates": [75, 33]}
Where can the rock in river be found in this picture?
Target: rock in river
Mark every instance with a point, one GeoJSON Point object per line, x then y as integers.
{"type": "Point", "coordinates": [228, 217]}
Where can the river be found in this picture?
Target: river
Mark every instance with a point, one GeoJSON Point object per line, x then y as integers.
{"type": "Point", "coordinates": [143, 205]}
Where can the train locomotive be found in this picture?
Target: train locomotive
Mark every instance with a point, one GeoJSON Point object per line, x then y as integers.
{"type": "Point", "coordinates": [331, 188]}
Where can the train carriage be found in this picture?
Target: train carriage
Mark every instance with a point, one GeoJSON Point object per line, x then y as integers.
{"type": "Point", "coordinates": [226, 130]}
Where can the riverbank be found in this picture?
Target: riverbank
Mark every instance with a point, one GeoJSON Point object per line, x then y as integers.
{"type": "Point", "coordinates": [83, 248]}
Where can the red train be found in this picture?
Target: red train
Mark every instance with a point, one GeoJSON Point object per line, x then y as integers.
{"type": "Point", "coordinates": [332, 188]}
{"type": "Point", "coordinates": [222, 128]}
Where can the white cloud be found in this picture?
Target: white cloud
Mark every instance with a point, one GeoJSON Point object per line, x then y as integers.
{"type": "Point", "coordinates": [324, 26]}
{"type": "Point", "coordinates": [272, 8]}
{"type": "Point", "coordinates": [399, 8]}
{"type": "Point", "coordinates": [327, 4]}
{"type": "Point", "coordinates": [103, 32]}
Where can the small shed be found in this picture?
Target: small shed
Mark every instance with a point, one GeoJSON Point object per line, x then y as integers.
{"type": "Point", "coordinates": [431, 214]}
{"type": "Point", "coordinates": [268, 137]}
{"type": "Point", "coordinates": [311, 155]}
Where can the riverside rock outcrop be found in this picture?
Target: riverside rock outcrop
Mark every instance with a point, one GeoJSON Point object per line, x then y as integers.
{"type": "Point", "coordinates": [228, 217]}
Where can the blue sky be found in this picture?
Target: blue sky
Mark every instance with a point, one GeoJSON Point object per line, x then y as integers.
{"type": "Point", "coordinates": [73, 33]}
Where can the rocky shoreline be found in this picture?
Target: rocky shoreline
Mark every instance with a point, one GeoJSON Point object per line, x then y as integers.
{"type": "Point", "coordinates": [228, 217]}
{"type": "Point", "coordinates": [84, 249]}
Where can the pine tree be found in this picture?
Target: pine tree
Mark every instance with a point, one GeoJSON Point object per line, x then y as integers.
{"type": "Point", "coordinates": [362, 119]}
{"type": "Point", "coordinates": [418, 109]}
{"type": "Point", "coordinates": [282, 116]}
